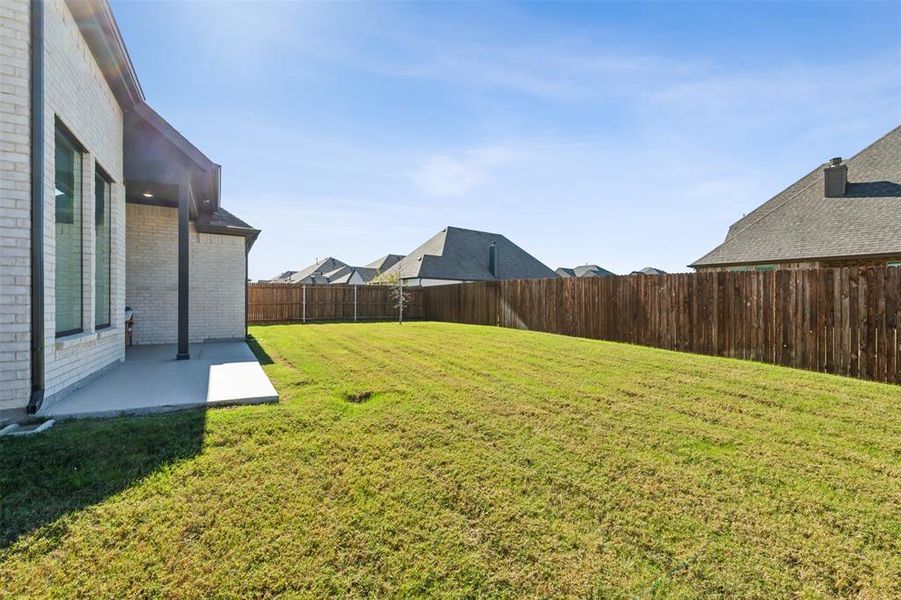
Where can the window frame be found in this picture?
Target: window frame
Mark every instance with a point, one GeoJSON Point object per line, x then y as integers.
{"type": "Point", "coordinates": [61, 131]}
{"type": "Point", "coordinates": [101, 173]}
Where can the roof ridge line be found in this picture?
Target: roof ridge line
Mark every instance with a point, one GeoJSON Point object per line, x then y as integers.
{"type": "Point", "coordinates": [772, 210]}
{"type": "Point", "coordinates": [805, 188]}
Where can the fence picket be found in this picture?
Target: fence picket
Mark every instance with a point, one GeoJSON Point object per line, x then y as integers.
{"type": "Point", "coordinates": [844, 320]}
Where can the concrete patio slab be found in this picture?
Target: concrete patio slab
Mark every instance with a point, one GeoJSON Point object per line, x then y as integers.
{"type": "Point", "coordinates": [151, 380]}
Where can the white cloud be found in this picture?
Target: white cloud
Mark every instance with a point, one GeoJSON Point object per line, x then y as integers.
{"type": "Point", "coordinates": [650, 160]}
{"type": "Point", "coordinates": [456, 175]}
{"type": "Point", "coordinates": [448, 176]}
{"type": "Point", "coordinates": [799, 93]}
{"type": "Point", "coordinates": [558, 70]}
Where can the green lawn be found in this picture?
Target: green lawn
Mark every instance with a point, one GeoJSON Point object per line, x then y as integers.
{"type": "Point", "coordinates": [452, 460]}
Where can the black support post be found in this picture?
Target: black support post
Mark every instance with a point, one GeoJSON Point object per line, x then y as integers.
{"type": "Point", "coordinates": [184, 216]}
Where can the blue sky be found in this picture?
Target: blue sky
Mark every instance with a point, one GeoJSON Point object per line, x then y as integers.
{"type": "Point", "coordinates": [620, 134]}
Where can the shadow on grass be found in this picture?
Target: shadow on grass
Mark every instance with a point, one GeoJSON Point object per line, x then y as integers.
{"type": "Point", "coordinates": [255, 347]}
{"type": "Point", "coordinates": [80, 463]}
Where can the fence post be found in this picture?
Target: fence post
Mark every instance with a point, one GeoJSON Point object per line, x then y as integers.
{"type": "Point", "coordinates": [355, 304]}
{"type": "Point", "coordinates": [304, 315]}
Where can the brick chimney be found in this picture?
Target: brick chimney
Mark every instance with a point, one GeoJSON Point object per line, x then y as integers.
{"type": "Point", "coordinates": [836, 178]}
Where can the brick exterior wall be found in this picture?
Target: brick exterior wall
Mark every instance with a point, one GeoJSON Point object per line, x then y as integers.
{"type": "Point", "coordinates": [218, 282]}
{"type": "Point", "coordinates": [15, 206]}
{"type": "Point", "coordinates": [77, 93]}
{"type": "Point", "coordinates": [216, 279]}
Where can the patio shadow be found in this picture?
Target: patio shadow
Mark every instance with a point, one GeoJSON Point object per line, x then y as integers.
{"type": "Point", "coordinates": [80, 463]}
{"type": "Point", "coordinates": [255, 347]}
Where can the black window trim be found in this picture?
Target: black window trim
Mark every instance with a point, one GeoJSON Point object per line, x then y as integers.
{"type": "Point", "coordinates": [99, 170]}
{"type": "Point", "coordinates": [61, 129]}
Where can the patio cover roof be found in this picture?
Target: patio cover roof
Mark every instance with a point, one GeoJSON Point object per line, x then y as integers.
{"type": "Point", "coordinates": [158, 158]}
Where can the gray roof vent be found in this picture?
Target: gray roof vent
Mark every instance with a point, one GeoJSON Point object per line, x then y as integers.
{"type": "Point", "coordinates": [836, 178]}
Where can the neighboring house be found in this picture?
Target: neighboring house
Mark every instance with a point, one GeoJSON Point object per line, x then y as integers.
{"type": "Point", "coordinates": [284, 277]}
{"type": "Point", "coordinates": [316, 273]}
{"type": "Point", "coordinates": [584, 271]}
{"type": "Point", "coordinates": [104, 204]}
{"type": "Point", "coordinates": [456, 255]}
{"type": "Point", "coordinates": [842, 213]}
{"type": "Point", "coordinates": [342, 271]}
{"type": "Point", "coordinates": [355, 276]}
{"type": "Point", "coordinates": [384, 263]}
{"type": "Point", "coordinates": [330, 270]}
{"type": "Point", "coordinates": [648, 271]}
{"type": "Point", "coordinates": [362, 275]}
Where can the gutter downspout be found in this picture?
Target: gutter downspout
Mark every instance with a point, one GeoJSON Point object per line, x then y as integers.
{"type": "Point", "coordinates": [246, 306]}
{"type": "Point", "coordinates": [37, 205]}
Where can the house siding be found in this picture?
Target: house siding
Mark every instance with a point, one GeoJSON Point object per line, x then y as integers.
{"type": "Point", "coordinates": [860, 262]}
{"type": "Point", "coordinates": [825, 263]}
{"type": "Point", "coordinates": [217, 279]}
{"type": "Point", "coordinates": [15, 206]}
{"type": "Point", "coordinates": [77, 93]}
{"type": "Point", "coordinates": [749, 267]}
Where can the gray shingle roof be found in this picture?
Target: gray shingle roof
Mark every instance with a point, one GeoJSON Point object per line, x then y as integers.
{"type": "Point", "coordinates": [223, 222]}
{"type": "Point", "coordinates": [366, 274]}
{"type": "Point", "coordinates": [326, 265]}
{"type": "Point", "coordinates": [462, 254]}
{"type": "Point", "coordinates": [284, 276]}
{"type": "Point", "coordinates": [330, 270]}
{"type": "Point", "coordinates": [384, 263]}
{"type": "Point", "coordinates": [802, 223]}
{"type": "Point", "coordinates": [339, 272]}
{"type": "Point", "coordinates": [649, 271]}
{"type": "Point", "coordinates": [584, 271]}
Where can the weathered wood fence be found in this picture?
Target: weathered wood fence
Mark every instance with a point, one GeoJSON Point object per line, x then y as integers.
{"type": "Point", "coordinates": [275, 302]}
{"type": "Point", "coordinates": [842, 320]}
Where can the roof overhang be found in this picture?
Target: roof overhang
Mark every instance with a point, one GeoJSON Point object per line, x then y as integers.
{"type": "Point", "coordinates": [159, 161]}
{"type": "Point", "coordinates": [223, 222]}
{"type": "Point", "coordinates": [98, 26]}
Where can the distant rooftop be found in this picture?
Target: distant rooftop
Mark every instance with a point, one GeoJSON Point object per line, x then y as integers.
{"type": "Point", "coordinates": [584, 271]}
{"type": "Point", "coordinates": [461, 254]}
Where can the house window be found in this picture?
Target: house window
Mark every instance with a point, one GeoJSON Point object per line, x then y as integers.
{"type": "Point", "coordinates": [894, 264]}
{"type": "Point", "coordinates": [102, 245]}
{"type": "Point", "coordinates": [766, 267]}
{"type": "Point", "coordinates": [68, 260]}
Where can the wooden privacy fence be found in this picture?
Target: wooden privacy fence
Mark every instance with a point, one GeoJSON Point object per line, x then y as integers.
{"type": "Point", "coordinates": [274, 302]}
{"type": "Point", "coordinates": [842, 320]}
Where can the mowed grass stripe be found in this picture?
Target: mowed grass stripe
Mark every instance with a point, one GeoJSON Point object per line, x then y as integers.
{"type": "Point", "coordinates": [727, 404]}
{"type": "Point", "coordinates": [532, 353]}
{"type": "Point", "coordinates": [490, 364]}
{"type": "Point", "coordinates": [488, 462]}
